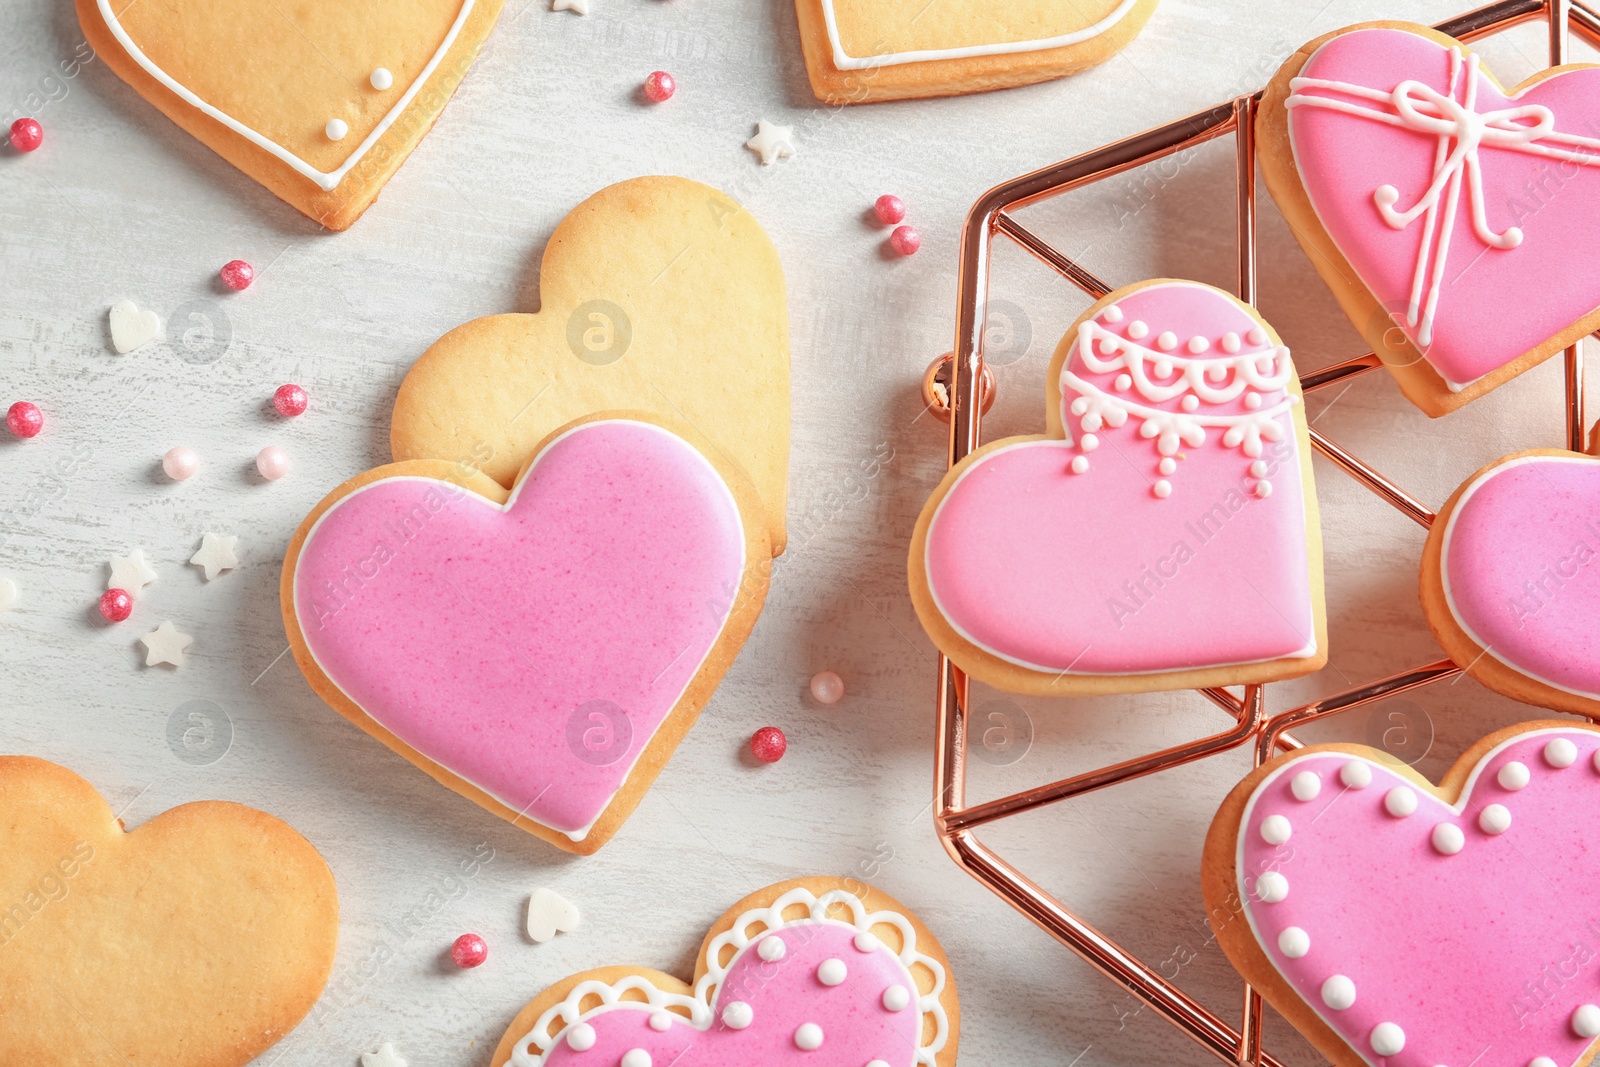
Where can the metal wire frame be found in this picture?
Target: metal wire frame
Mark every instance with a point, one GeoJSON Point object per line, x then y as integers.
{"type": "Point", "coordinates": [992, 215]}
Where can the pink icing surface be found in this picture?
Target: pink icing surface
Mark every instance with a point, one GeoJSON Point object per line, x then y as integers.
{"type": "Point", "coordinates": [1495, 304]}
{"type": "Point", "coordinates": [480, 634]}
{"type": "Point", "coordinates": [783, 995]}
{"type": "Point", "coordinates": [1480, 957]}
{"type": "Point", "coordinates": [1520, 570]}
{"type": "Point", "coordinates": [1094, 573]}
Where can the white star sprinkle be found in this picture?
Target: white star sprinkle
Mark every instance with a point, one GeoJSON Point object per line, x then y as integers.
{"type": "Point", "coordinates": [386, 1056]}
{"type": "Point", "coordinates": [579, 7]}
{"type": "Point", "coordinates": [165, 644]}
{"type": "Point", "coordinates": [771, 142]}
{"type": "Point", "coordinates": [216, 554]}
{"type": "Point", "coordinates": [131, 573]}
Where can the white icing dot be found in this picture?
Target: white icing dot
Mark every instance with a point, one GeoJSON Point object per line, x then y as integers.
{"type": "Point", "coordinates": [1252, 400]}
{"type": "Point", "coordinates": [661, 1021]}
{"type": "Point", "coordinates": [1137, 329]}
{"type": "Point", "coordinates": [878, 1063]}
{"type": "Point", "coordinates": [636, 1057]}
{"type": "Point", "coordinates": [1163, 368]}
{"type": "Point", "coordinates": [1586, 1021]}
{"type": "Point", "coordinates": [1495, 819]}
{"type": "Point", "coordinates": [1258, 468]}
{"type": "Point", "coordinates": [1167, 341]}
{"type": "Point", "coordinates": [808, 1038]}
{"type": "Point", "coordinates": [1162, 489]}
{"type": "Point", "coordinates": [772, 948]}
{"type": "Point", "coordinates": [336, 129]}
{"type": "Point", "coordinates": [1275, 829]}
{"type": "Point", "coordinates": [867, 941]}
{"type": "Point", "coordinates": [1230, 343]}
{"type": "Point", "coordinates": [1294, 942]}
{"type": "Point", "coordinates": [896, 998]}
{"type": "Point", "coordinates": [1256, 336]}
{"type": "Point", "coordinates": [1355, 775]}
{"type": "Point", "coordinates": [1079, 464]}
{"type": "Point", "coordinates": [581, 1038]}
{"type": "Point", "coordinates": [1338, 992]}
{"type": "Point", "coordinates": [1542, 1061]}
{"type": "Point", "coordinates": [1167, 465]}
{"type": "Point", "coordinates": [1217, 371]}
{"type": "Point", "coordinates": [1305, 785]}
{"type": "Point", "coordinates": [831, 972]}
{"type": "Point", "coordinates": [1560, 753]}
{"type": "Point", "coordinates": [1088, 442]}
{"type": "Point", "coordinates": [380, 79]}
{"type": "Point", "coordinates": [1263, 489]}
{"type": "Point", "coordinates": [1513, 776]}
{"type": "Point", "coordinates": [738, 1015]}
{"type": "Point", "coordinates": [1387, 1039]}
{"type": "Point", "coordinates": [1109, 346]}
{"type": "Point", "coordinates": [1112, 313]}
{"type": "Point", "coordinates": [1123, 383]}
{"type": "Point", "coordinates": [1271, 887]}
{"type": "Point", "coordinates": [1198, 345]}
{"type": "Point", "coordinates": [1448, 839]}
{"type": "Point", "coordinates": [1190, 403]}
{"type": "Point", "coordinates": [1400, 801]}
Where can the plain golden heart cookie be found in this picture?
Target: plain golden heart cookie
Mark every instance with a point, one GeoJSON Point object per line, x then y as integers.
{"type": "Point", "coordinates": [658, 295]}
{"type": "Point", "coordinates": [198, 940]}
{"type": "Point", "coordinates": [266, 86]}
{"type": "Point", "coordinates": [861, 50]}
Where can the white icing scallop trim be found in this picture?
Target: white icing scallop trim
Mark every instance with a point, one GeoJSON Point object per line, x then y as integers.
{"type": "Point", "coordinates": [1457, 809]}
{"type": "Point", "coordinates": [583, 831]}
{"type": "Point", "coordinates": [701, 1004]}
{"type": "Point", "coordinates": [844, 61]}
{"type": "Point", "coordinates": [327, 180]}
{"type": "Point", "coordinates": [1444, 568]}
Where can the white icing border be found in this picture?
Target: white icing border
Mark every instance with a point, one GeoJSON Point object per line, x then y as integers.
{"type": "Point", "coordinates": [701, 1005]}
{"type": "Point", "coordinates": [1457, 809]}
{"type": "Point", "coordinates": [327, 180]}
{"type": "Point", "coordinates": [844, 61]}
{"type": "Point", "coordinates": [1444, 565]}
{"type": "Point", "coordinates": [511, 500]}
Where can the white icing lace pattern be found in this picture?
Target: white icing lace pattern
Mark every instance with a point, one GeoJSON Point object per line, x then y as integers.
{"type": "Point", "coordinates": [532, 1049]}
{"type": "Point", "coordinates": [1460, 130]}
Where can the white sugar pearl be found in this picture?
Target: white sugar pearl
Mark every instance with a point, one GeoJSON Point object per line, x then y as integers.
{"type": "Point", "coordinates": [581, 1037]}
{"type": "Point", "coordinates": [1275, 829]}
{"type": "Point", "coordinates": [1088, 442]}
{"type": "Point", "coordinates": [1190, 403]}
{"type": "Point", "coordinates": [1162, 489]}
{"type": "Point", "coordinates": [772, 948]}
{"type": "Point", "coordinates": [180, 463]}
{"type": "Point", "coordinates": [1137, 329]}
{"type": "Point", "coordinates": [1513, 776]}
{"type": "Point", "coordinates": [1448, 839]}
{"type": "Point", "coordinates": [1271, 887]}
{"type": "Point", "coordinates": [661, 1021]}
{"type": "Point", "coordinates": [1167, 341]}
{"type": "Point", "coordinates": [1560, 753]}
{"type": "Point", "coordinates": [336, 129]}
{"type": "Point", "coordinates": [1256, 336]}
{"type": "Point", "coordinates": [896, 998]}
{"type": "Point", "coordinates": [831, 972]}
{"type": "Point", "coordinates": [380, 79]}
{"type": "Point", "coordinates": [827, 687]}
{"type": "Point", "coordinates": [1542, 1061]}
{"type": "Point", "coordinates": [1305, 786]}
{"type": "Point", "coordinates": [1495, 819]}
{"type": "Point", "coordinates": [1230, 343]}
{"type": "Point", "coordinates": [1586, 1021]}
{"type": "Point", "coordinates": [1355, 775]}
{"type": "Point", "coordinates": [878, 1063]}
{"type": "Point", "coordinates": [1079, 464]}
{"type": "Point", "coordinates": [867, 942]}
{"type": "Point", "coordinates": [636, 1057]}
{"type": "Point", "coordinates": [1400, 801]}
{"type": "Point", "coordinates": [1387, 1039]}
{"type": "Point", "coordinates": [1263, 489]}
{"type": "Point", "coordinates": [808, 1038]}
{"type": "Point", "coordinates": [1338, 992]}
{"type": "Point", "coordinates": [1198, 345]}
{"type": "Point", "coordinates": [1112, 313]}
{"type": "Point", "coordinates": [1258, 469]}
{"type": "Point", "coordinates": [738, 1015]}
{"type": "Point", "coordinates": [1167, 465]}
{"type": "Point", "coordinates": [1294, 942]}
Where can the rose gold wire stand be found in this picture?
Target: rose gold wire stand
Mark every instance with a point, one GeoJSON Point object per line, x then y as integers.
{"type": "Point", "coordinates": [970, 391]}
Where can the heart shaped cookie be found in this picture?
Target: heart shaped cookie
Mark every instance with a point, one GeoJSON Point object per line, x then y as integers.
{"type": "Point", "coordinates": [816, 972]}
{"type": "Point", "coordinates": [540, 651]}
{"type": "Point", "coordinates": [320, 103]}
{"type": "Point", "coordinates": [1451, 219]}
{"type": "Point", "coordinates": [1397, 924]}
{"type": "Point", "coordinates": [656, 294]}
{"type": "Point", "coordinates": [860, 50]}
{"type": "Point", "coordinates": [1172, 544]}
{"type": "Point", "coordinates": [110, 941]}
{"type": "Point", "coordinates": [1510, 582]}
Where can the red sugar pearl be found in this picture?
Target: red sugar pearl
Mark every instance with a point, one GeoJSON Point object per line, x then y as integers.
{"type": "Point", "coordinates": [26, 134]}
{"type": "Point", "coordinates": [116, 605]}
{"type": "Point", "coordinates": [470, 950]}
{"type": "Point", "coordinates": [24, 419]}
{"type": "Point", "coordinates": [890, 209]}
{"type": "Point", "coordinates": [768, 744]}
{"type": "Point", "coordinates": [906, 240]}
{"type": "Point", "coordinates": [290, 400]}
{"type": "Point", "coordinates": [237, 274]}
{"type": "Point", "coordinates": [660, 86]}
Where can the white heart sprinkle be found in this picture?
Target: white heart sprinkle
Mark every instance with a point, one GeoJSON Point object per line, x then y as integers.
{"type": "Point", "coordinates": [548, 912]}
{"type": "Point", "coordinates": [132, 328]}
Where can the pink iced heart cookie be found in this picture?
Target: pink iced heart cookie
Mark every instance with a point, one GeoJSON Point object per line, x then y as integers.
{"type": "Point", "coordinates": [1451, 219]}
{"type": "Point", "coordinates": [1511, 581]}
{"type": "Point", "coordinates": [1172, 543]}
{"type": "Point", "coordinates": [539, 651]}
{"type": "Point", "coordinates": [817, 972]}
{"type": "Point", "coordinates": [1401, 925]}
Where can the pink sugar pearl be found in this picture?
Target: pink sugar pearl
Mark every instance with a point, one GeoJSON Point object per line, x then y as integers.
{"type": "Point", "coordinates": [272, 462]}
{"type": "Point", "coordinates": [26, 134]}
{"type": "Point", "coordinates": [237, 274]}
{"type": "Point", "coordinates": [180, 463]}
{"type": "Point", "coordinates": [116, 605]}
{"type": "Point", "coordinates": [768, 744]}
{"type": "Point", "coordinates": [827, 687]}
{"type": "Point", "coordinates": [470, 950]}
{"type": "Point", "coordinates": [905, 240]}
{"type": "Point", "coordinates": [660, 86]}
{"type": "Point", "coordinates": [890, 209]}
{"type": "Point", "coordinates": [24, 419]}
{"type": "Point", "coordinates": [290, 400]}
